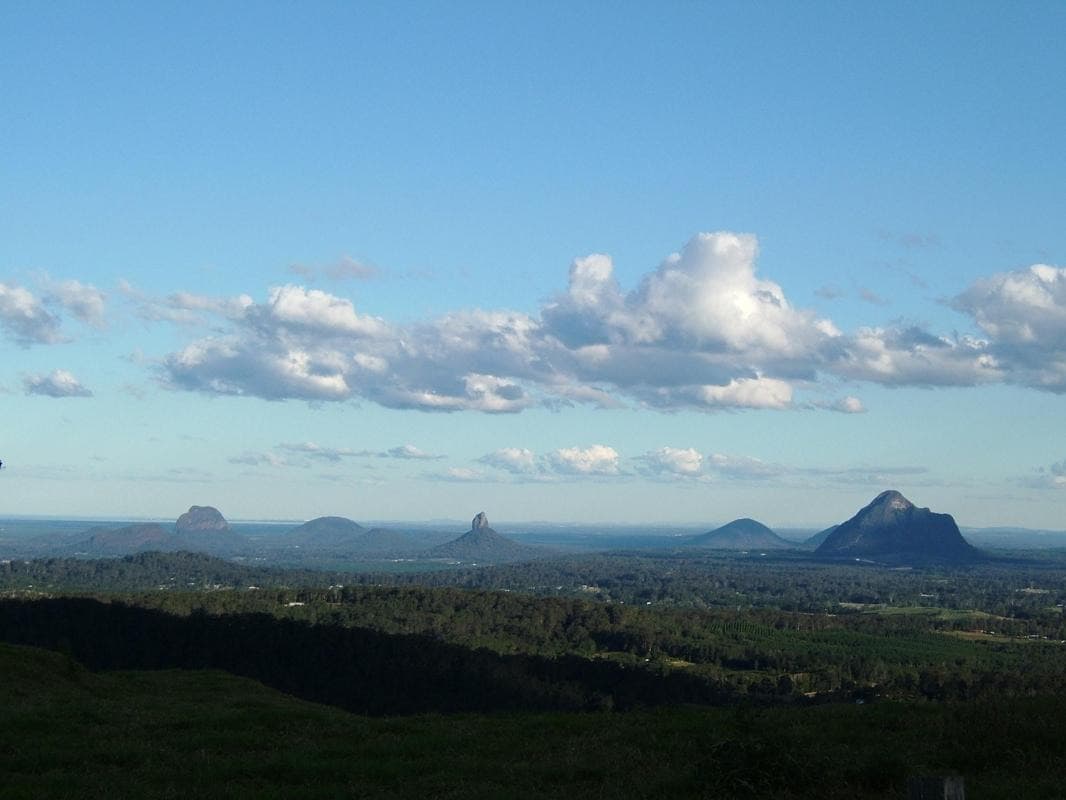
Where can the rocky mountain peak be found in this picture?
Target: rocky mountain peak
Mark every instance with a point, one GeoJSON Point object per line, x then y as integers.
{"type": "Point", "coordinates": [891, 501]}
{"type": "Point", "coordinates": [894, 529]}
{"type": "Point", "coordinates": [479, 522]}
{"type": "Point", "coordinates": [201, 518]}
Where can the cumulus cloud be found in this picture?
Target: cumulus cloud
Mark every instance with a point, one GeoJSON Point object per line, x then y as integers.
{"type": "Point", "coordinates": [703, 331]}
{"type": "Point", "coordinates": [84, 301]}
{"type": "Point", "coordinates": [312, 309]}
{"type": "Point", "coordinates": [25, 319]}
{"type": "Point", "coordinates": [1024, 315]}
{"type": "Point", "coordinates": [517, 460]}
{"type": "Point", "coordinates": [911, 356]}
{"type": "Point", "coordinates": [597, 459]}
{"type": "Point", "coordinates": [686, 462]}
{"type": "Point", "coordinates": [748, 393]}
{"type": "Point", "coordinates": [849, 405]}
{"type": "Point", "coordinates": [58, 383]}
{"type": "Point", "coordinates": [706, 296]}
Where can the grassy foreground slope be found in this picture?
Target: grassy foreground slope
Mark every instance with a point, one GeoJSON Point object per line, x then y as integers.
{"type": "Point", "coordinates": [67, 732]}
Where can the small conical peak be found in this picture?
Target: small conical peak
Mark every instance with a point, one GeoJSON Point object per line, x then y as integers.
{"type": "Point", "coordinates": [892, 501]}
{"type": "Point", "coordinates": [480, 521]}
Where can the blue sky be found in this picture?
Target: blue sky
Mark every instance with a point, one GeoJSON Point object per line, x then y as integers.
{"type": "Point", "coordinates": [584, 261]}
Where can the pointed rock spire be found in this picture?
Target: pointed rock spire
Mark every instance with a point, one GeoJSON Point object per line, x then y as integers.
{"type": "Point", "coordinates": [479, 522]}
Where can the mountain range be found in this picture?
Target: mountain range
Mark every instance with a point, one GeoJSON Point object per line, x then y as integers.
{"type": "Point", "coordinates": [890, 530]}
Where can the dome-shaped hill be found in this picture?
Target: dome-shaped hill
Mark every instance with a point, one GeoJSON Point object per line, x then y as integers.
{"type": "Point", "coordinates": [326, 533]}
{"type": "Point", "coordinates": [740, 534]}
{"type": "Point", "coordinates": [129, 539]}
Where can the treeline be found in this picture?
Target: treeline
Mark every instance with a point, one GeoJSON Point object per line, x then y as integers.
{"type": "Point", "coordinates": [361, 670]}
{"type": "Point", "coordinates": [1015, 589]}
{"type": "Point", "coordinates": [168, 571]}
{"type": "Point", "coordinates": [1020, 591]}
{"type": "Point", "coordinates": [763, 652]}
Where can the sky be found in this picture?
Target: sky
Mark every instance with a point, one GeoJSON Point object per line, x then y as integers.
{"type": "Point", "coordinates": [587, 262]}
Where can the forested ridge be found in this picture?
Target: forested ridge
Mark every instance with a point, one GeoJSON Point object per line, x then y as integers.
{"type": "Point", "coordinates": [618, 632]}
{"type": "Point", "coordinates": [66, 732]}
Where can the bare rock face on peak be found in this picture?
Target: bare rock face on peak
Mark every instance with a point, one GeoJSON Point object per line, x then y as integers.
{"type": "Point", "coordinates": [204, 529]}
{"type": "Point", "coordinates": [201, 518]}
{"type": "Point", "coordinates": [480, 521]}
{"type": "Point", "coordinates": [893, 529]}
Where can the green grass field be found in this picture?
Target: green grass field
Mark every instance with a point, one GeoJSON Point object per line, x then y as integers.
{"type": "Point", "coordinates": [69, 733]}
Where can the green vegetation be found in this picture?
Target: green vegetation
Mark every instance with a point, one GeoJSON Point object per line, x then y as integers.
{"type": "Point", "coordinates": [727, 676]}
{"type": "Point", "coordinates": [66, 732]}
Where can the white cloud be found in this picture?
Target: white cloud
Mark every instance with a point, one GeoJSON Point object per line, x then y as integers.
{"type": "Point", "coordinates": [320, 453]}
{"type": "Point", "coordinates": [25, 319]}
{"type": "Point", "coordinates": [259, 460]}
{"type": "Point", "coordinates": [744, 467]}
{"type": "Point", "coordinates": [703, 332]}
{"type": "Point", "coordinates": [749, 393]}
{"type": "Point", "coordinates": [184, 308]}
{"type": "Point", "coordinates": [457, 475]}
{"type": "Point", "coordinates": [706, 299]}
{"type": "Point", "coordinates": [313, 309]}
{"type": "Point", "coordinates": [84, 301]}
{"type": "Point", "coordinates": [518, 460]}
{"type": "Point", "coordinates": [313, 450]}
{"type": "Point", "coordinates": [232, 307]}
{"type": "Point", "coordinates": [913, 357]}
{"type": "Point", "coordinates": [1024, 315]}
{"type": "Point", "coordinates": [597, 459]}
{"type": "Point", "coordinates": [58, 383]}
{"type": "Point", "coordinates": [686, 462]}
{"type": "Point", "coordinates": [410, 452]}
{"type": "Point", "coordinates": [849, 405]}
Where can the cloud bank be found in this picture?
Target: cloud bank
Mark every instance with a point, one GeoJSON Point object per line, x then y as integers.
{"type": "Point", "coordinates": [702, 331]}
